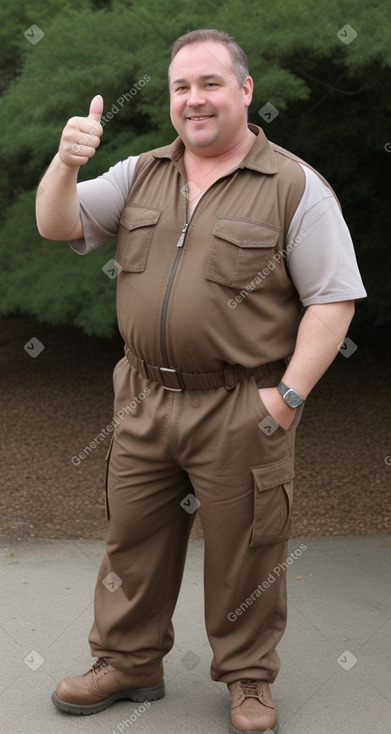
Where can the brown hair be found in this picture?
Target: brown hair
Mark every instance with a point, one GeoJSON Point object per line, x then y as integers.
{"type": "Point", "coordinates": [239, 59]}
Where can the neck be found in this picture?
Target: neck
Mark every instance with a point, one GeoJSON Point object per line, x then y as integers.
{"type": "Point", "coordinates": [202, 158]}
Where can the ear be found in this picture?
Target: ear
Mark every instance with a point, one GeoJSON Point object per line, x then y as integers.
{"type": "Point", "coordinates": [247, 90]}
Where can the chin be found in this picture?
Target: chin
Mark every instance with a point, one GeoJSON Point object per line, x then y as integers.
{"type": "Point", "coordinates": [200, 142]}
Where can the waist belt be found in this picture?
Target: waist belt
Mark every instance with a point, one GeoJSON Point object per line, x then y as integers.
{"type": "Point", "coordinates": [172, 379]}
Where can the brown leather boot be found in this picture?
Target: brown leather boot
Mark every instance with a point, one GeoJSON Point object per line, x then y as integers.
{"type": "Point", "coordinates": [252, 708]}
{"type": "Point", "coordinates": [103, 685]}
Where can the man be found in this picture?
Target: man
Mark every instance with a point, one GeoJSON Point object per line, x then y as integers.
{"type": "Point", "coordinates": [222, 239]}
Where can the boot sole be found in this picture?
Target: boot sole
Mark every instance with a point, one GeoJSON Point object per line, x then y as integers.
{"type": "Point", "coordinates": [139, 695]}
{"type": "Point", "coordinates": [232, 730]}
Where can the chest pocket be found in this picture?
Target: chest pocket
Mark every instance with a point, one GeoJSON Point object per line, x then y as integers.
{"type": "Point", "coordinates": [134, 238]}
{"type": "Point", "coordinates": [241, 248]}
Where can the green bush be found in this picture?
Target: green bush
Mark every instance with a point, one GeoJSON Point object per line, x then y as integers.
{"type": "Point", "coordinates": [333, 101]}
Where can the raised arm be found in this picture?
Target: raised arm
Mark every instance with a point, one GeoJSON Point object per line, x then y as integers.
{"type": "Point", "coordinates": [57, 202]}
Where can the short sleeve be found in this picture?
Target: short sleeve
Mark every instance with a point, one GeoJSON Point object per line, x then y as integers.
{"type": "Point", "coordinates": [102, 201]}
{"type": "Point", "coordinates": [321, 259]}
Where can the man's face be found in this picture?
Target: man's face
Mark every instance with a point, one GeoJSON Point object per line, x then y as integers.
{"type": "Point", "coordinates": [207, 107]}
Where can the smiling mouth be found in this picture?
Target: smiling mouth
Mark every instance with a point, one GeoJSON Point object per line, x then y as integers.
{"type": "Point", "coordinates": [197, 118]}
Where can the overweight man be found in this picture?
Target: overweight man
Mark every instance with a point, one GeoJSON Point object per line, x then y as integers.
{"type": "Point", "coordinates": [236, 286]}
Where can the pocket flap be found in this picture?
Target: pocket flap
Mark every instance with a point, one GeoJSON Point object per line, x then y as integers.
{"type": "Point", "coordinates": [137, 216]}
{"type": "Point", "coordinates": [247, 232]}
{"type": "Point", "coordinates": [274, 474]}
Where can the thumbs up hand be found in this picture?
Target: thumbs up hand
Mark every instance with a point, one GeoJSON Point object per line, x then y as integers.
{"type": "Point", "coordinates": [96, 108]}
{"type": "Point", "coordinates": [81, 136]}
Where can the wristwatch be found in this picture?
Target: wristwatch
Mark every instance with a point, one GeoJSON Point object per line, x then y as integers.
{"type": "Point", "coordinates": [291, 397]}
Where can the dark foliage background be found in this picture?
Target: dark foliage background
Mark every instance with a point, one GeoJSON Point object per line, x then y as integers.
{"type": "Point", "coordinates": [334, 103]}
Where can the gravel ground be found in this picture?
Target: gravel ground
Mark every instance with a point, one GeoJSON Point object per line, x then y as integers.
{"type": "Point", "coordinates": [53, 405]}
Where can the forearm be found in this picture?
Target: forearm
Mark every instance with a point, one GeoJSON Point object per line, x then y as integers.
{"type": "Point", "coordinates": [57, 203]}
{"type": "Point", "coordinates": [321, 331]}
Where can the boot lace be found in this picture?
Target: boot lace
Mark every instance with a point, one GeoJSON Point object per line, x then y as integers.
{"type": "Point", "coordinates": [250, 688]}
{"type": "Point", "coordinates": [100, 664]}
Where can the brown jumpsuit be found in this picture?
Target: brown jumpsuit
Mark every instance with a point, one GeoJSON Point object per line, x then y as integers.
{"type": "Point", "coordinates": [210, 299]}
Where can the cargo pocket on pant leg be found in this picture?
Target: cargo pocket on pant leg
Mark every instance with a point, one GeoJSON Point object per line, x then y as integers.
{"type": "Point", "coordinates": [273, 496]}
{"type": "Point", "coordinates": [107, 460]}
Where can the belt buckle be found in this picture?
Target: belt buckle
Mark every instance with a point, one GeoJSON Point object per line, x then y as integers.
{"type": "Point", "coordinates": [167, 371]}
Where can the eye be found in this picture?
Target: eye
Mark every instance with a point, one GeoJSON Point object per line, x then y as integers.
{"type": "Point", "coordinates": [212, 84]}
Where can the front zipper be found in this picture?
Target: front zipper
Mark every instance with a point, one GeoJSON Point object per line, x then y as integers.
{"type": "Point", "coordinates": [179, 244]}
{"type": "Point", "coordinates": [163, 330]}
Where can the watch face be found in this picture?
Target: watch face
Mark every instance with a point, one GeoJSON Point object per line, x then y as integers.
{"type": "Point", "coordinates": [293, 398]}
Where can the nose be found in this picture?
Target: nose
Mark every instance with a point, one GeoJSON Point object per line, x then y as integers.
{"type": "Point", "coordinates": [195, 98]}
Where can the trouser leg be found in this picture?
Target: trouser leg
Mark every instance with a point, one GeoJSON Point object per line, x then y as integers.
{"type": "Point", "coordinates": [141, 573]}
{"type": "Point", "coordinates": [245, 627]}
{"type": "Point", "coordinates": [242, 477]}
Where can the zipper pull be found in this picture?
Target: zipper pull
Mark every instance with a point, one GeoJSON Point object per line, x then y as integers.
{"type": "Point", "coordinates": [182, 237]}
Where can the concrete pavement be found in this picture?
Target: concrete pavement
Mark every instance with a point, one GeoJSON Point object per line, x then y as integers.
{"type": "Point", "coordinates": [336, 653]}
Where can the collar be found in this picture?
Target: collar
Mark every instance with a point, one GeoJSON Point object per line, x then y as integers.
{"type": "Point", "coordinates": [261, 156]}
